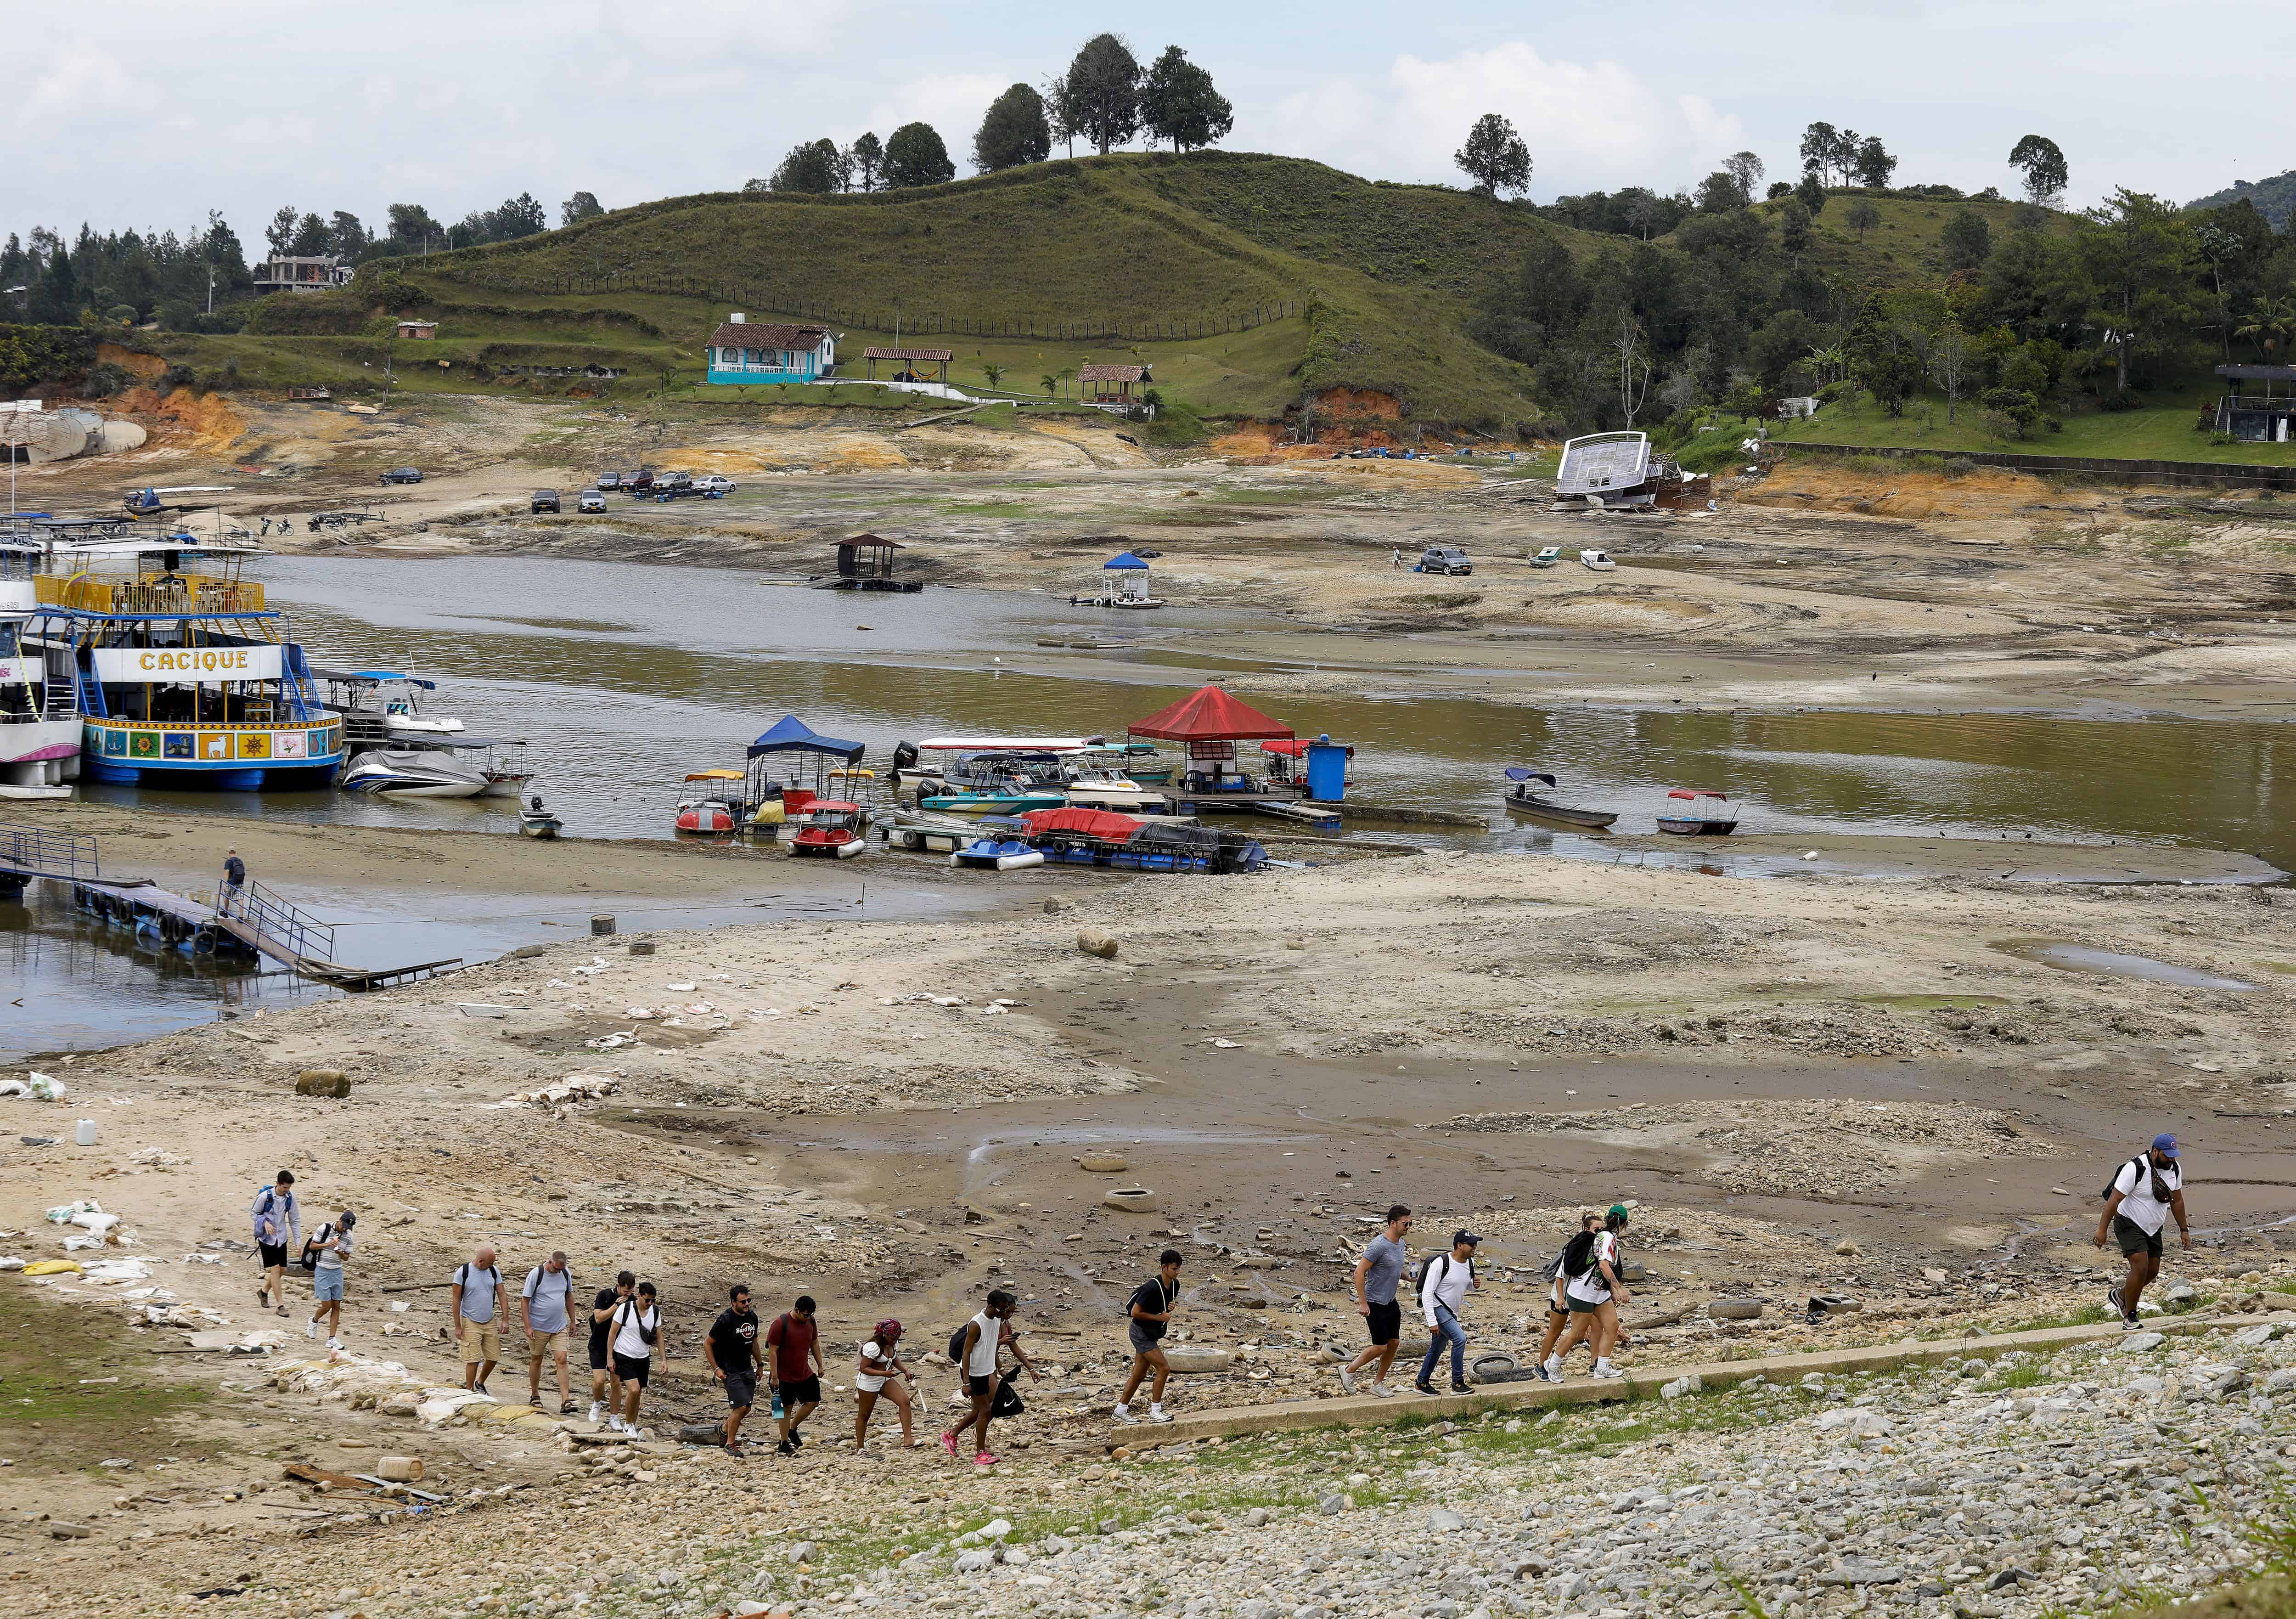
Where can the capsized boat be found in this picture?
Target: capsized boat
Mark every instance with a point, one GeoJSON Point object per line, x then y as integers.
{"type": "Point", "coordinates": [1528, 794]}
{"type": "Point", "coordinates": [1548, 555]}
{"type": "Point", "coordinates": [1707, 814]}
{"type": "Point", "coordinates": [413, 773]}
{"type": "Point", "coordinates": [831, 829]}
{"type": "Point", "coordinates": [711, 807]}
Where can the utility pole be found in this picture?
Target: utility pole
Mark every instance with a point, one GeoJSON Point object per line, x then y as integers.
{"type": "Point", "coordinates": [211, 289]}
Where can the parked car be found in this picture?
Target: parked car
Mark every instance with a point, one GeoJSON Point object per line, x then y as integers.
{"type": "Point", "coordinates": [590, 500]}
{"type": "Point", "coordinates": [673, 482]}
{"type": "Point", "coordinates": [545, 500]}
{"type": "Point", "coordinates": [1444, 559]}
{"type": "Point", "coordinates": [635, 483]}
{"type": "Point", "coordinates": [403, 475]}
{"type": "Point", "coordinates": [609, 481]}
{"type": "Point", "coordinates": [714, 483]}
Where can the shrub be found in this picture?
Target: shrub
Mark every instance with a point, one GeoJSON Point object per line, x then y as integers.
{"type": "Point", "coordinates": [103, 380]}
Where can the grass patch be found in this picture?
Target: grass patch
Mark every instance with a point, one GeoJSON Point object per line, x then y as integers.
{"type": "Point", "coordinates": [2163, 431]}
{"type": "Point", "coordinates": [58, 1421]}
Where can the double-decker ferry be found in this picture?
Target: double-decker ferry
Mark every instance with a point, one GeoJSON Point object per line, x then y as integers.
{"type": "Point", "coordinates": [180, 675]}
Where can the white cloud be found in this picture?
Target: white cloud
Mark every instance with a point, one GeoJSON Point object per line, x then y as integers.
{"type": "Point", "coordinates": [1588, 125]}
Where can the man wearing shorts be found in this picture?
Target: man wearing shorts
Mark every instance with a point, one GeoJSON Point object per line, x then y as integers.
{"type": "Point", "coordinates": [545, 1306]}
{"type": "Point", "coordinates": [330, 1245]}
{"type": "Point", "coordinates": [1152, 1303]}
{"type": "Point", "coordinates": [635, 1328]}
{"type": "Point", "coordinates": [976, 1363]}
{"type": "Point", "coordinates": [795, 1339]}
{"type": "Point", "coordinates": [2148, 1189]}
{"type": "Point", "coordinates": [604, 1396]}
{"type": "Point", "coordinates": [278, 1223]}
{"type": "Point", "coordinates": [1377, 1272]}
{"type": "Point", "coordinates": [735, 1359]}
{"type": "Point", "coordinates": [477, 1302]}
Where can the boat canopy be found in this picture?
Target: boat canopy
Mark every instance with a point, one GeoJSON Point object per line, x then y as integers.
{"type": "Point", "coordinates": [1297, 747]}
{"type": "Point", "coordinates": [1600, 463]}
{"type": "Point", "coordinates": [1696, 793]}
{"type": "Point", "coordinates": [1087, 823]}
{"type": "Point", "coordinates": [794, 736]}
{"type": "Point", "coordinates": [716, 775]}
{"type": "Point", "coordinates": [831, 806]}
{"type": "Point", "coordinates": [1010, 744]}
{"type": "Point", "coordinates": [374, 677]}
{"type": "Point", "coordinates": [1125, 559]}
{"type": "Point", "coordinates": [443, 740]}
{"type": "Point", "coordinates": [1209, 715]}
{"type": "Point", "coordinates": [1525, 773]}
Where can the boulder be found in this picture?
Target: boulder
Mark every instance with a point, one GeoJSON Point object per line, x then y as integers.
{"type": "Point", "coordinates": [323, 1082]}
{"type": "Point", "coordinates": [1091, 942]}
{"type": "Point", "coordinates": [1735, 1310]}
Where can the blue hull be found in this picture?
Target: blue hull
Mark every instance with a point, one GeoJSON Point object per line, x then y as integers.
{"type": "Point", "coordinates": [223, 778]}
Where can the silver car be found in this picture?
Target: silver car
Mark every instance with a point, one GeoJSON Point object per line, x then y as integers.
{"type": "Point", "coordinates": [589, 500]}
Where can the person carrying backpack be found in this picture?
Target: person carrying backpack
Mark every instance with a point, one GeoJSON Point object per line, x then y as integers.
{"type": "Point", "coordinates": [1577, 1255]}
{"type": "Point", "coordinates": [879, 1372]}
{"type": "Point", "coordinates": [1149, 1313]}
{"type": "Point", "coordinates": [323, 1255]}
{"type": "Point", "coordinates": [973, 1348]}
{"type": "Point", "coordinates": [632, 1332]}
{"type": "Point", "coordinates": [278, 1225]}
{"type": "Point", "coordinates": [1593, 1296]}
{"type": "Point", "coordinates": [2145, 1191]}
{"type": "Point", "coordinates": [476, 1295]}
{"type": "Point", "coordinates": [1443, 1287]}
{"type": "Point", "coordinates": [545, 1301]}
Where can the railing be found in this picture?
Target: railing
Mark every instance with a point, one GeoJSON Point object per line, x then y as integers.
{"type": "Point", "coordinates": [191, 594]}
{"type": "Point", "coordinates": [2259, 401]}
{"type": "Point", "coordinates": [279, 924]}
{"type": "Point", "coordinates": [56, 854]}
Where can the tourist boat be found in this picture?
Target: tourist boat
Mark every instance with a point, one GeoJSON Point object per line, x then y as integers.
{"type": "Point", "coordinates": [1096, 779]}
{"type": "Point", "coordinates": [536, 822]}
{"type": "Point", "coordinates": [413, 773]}
{"type": "Point", "coordinates": [1548, 555]}
{"type": "Point", "coordinates": [1618, 472]}
{"type": "Point", "coordinates": [1710, 815]}
{"type": "Point", "coordinates": [1096, 837]}
{"type": "Point", "coordinates": [1598, 560]}
{"type": "Point", "coordinates": [712, 804]}
{"type": "Point", "coordinates": [831, 829]}
{"type": "Point", "coordinates": [997, 854]}
{"type": "Point", "coordinates": [382, 708]}
{"type": "Point", "coordinates": [1005, 777]}
{"type": "Point", "coordinates": [1527, 795]}
{"type": "Point", "coordinates": [182, 675]}
{"type": "Point", "coordinates": [831, 764]}
{"type": "Point", "coordinates": [39, 710]}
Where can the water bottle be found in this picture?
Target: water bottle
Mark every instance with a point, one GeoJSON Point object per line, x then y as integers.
{"type": "Point", "coordinates": [777, 1402]}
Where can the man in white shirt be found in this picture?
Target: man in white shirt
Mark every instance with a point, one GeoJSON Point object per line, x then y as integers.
{"type": "Point", "coordinates": [1443, 1288]}
{"type": "Point", "coordinates": [2148, 1189]}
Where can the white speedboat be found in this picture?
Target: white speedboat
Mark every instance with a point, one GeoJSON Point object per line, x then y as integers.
{"type": "Point", "coordinates": [1092, 784]}
{"type": "Point", "coordinates": [1599, 560]}
{"type": "Point", "coordinates": [412, 773]}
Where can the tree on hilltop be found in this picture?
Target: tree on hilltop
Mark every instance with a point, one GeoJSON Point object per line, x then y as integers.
{"type": "Point", "coordinates": [1014, 131]}
{"type": "Point", "coordinates": [867, 156]}
{"type": "Point", "coordinates": [1494, 157]}
{"type": "Point", "coordinates": [1745, 171]}
{"type": "Point", "coordinates": [1179, 104]}
{"type": "Point", "coordinates": [582, 205]}
{"type": "Point", "coordinates": [915, 156]}
{"type": "Point", "coordinates": [810, 169]}
{"type": "Point", "coordinates": [2037, 158]}
{"type": "Point", "coordinates": [1100, 94]}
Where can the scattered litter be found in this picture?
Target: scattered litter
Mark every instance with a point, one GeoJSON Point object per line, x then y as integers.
{"type": "Point", "coordinates": [1225, 1045]}
{"type": "Point", "coordinates": [87, 1213]}
{"type": "Point", "coordinates": [53, 1267]}
{"type": "Point", "coordinates": [1810, 854]}
{"type": "Point", "coordinates": [12, 1261]}
{"type": "Point", "coordinates": [614, 1041]}
{"type": "Point", "coordinates": [682, 989]}
{"type": "Point", "coordinates": [36, 1087]}
{"type": "Point", "coordinates": [639, 1013]}
{"type": "Point", "coordinates": [478, 1008]}
{"type": "Point", "coordinates": [573, 1087]}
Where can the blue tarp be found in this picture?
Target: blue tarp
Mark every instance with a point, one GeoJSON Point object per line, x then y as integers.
{"type": "Point", "coordinates": [1126, 560]}
{"type": "Point", "coordinates": [794, 736]}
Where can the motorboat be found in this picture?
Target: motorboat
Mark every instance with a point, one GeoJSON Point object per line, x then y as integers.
{"type": "Point", "coordinates": [1144, 764]}
{"type": "Point", "coordinates": [1705, 815]}
{"type": "Point", "coordinates": [710, 806]}
{"type": "Point", "coordinates": [923, 830]}
{"type": "Point", "coordinates": [780, 762]}
{"type": "Point", "coordinates": [997, 854]}
{"type": "Point", "coordinates": [533, 821]}
{"type": "Point", "coordinates": [1598, 560]}
{"type": "Point", "coordinates": [39, 714]}
{"type": "Point", "coordinates": [1097, 780]}
{"type": "Point", "coordinates": [383, 708]}
{"type": "Point", "coordinates": [413, 773]}
{"type": "Point", "coordinates": [831, 829]}
{"type": "Point", "coordinates": [1527, 794]}
{"type": "Point", "coordinates": [1096, 837]}
{"type": "Point", "coordinates": [1620, 471]}
{"type": "Point", "coordinates": [1548, 555]}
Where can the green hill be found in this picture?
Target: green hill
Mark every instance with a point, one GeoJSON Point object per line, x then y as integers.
{"type": "Point", "coordinates": [2274, 199]}
{"type": "Point", "coordinates": [1905, 246]}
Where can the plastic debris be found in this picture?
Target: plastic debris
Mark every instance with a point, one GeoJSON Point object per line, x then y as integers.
{"type": "Point", "coordinates": [35, 1087]}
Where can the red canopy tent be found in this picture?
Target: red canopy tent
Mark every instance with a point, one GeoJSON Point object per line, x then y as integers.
{"type": "Point", "coordinates": [1209, 715]}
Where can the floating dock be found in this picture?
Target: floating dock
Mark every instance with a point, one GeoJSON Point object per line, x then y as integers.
{"type": "Point", "coordinates": [253, 922]}
{"type": "Point", "coordinates": [1281, 807]}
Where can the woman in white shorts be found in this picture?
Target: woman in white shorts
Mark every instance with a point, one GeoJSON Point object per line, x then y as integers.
{"type": "Point", "coordinates": [880, 1371]}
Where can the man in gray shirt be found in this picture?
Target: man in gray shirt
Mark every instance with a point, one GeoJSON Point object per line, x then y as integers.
{"type": "Point", "coordinates": [542, 1305]}
{"type": "Point", "coordinates": [1377, 1273]}
{"type": "Point", "coordinates": [475, 1288]}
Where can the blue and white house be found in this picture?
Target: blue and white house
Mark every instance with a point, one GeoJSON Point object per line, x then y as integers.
{"type": "Point", "coordinates": [743, 350]}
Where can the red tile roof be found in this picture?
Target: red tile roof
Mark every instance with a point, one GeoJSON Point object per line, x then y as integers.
{"type": "Point", "coordinates": [1112, 373]}
{"type": "Point", "coordinates": [935, 357]}
{"type": "Point", "coordinates": [767, 334]}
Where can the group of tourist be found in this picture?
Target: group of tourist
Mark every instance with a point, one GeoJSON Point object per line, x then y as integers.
{"type": "Point", "coordinates": [1585, 1286]}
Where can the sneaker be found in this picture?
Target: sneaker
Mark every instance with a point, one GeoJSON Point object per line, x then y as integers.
{"type": "Point", "coordinates": [262, 1297]}
{"type": "Point", "coordinates": [480, 1388]}
{"type": "Point", "coordinates": [949, 1444]}
{"type": "Point", "coordinates": [2131, 1324]}
{"type": "Point", "coordinates": [982, 1459]}
{"type": "Point", "coordinates": [597, 1410]}
{"type": "Point", "coordinates": [1544, 1375]}
{"type": "Point", "coordinates": [1552, 1367]}
{"type": "Point", "coordinates": [1608, 1371]}
{"type": "Point", "coordinates": [1123, 1413]}
{"type": "Point", "coordinates": [1346, 1379]}
{"type": "Point", "coordinates": [311, 1327]}
{"type": "Point", "coordinates": [1423, 1386]}
{"type": "Point", "coordinates": [1157, 1413]}
{"type": "Point", "coordinates": [334, 1344]}
{"type": "Point", "coordinates": [797, 1440]}
{"type": "Point", "coordinates": [1382, 1390]}
{"type": "Point", "coordinates": [784, 1449]}
{"type": "Point", "coordinates": [1461, 1388]}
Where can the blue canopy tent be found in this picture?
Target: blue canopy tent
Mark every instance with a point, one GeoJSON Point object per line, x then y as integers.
{"type": "Point", "coordinates": [1124, 560]}
{"type": "Point", "coordinates": [794, 736]}
{"type": "Point", "coordinates": [1131, 580]}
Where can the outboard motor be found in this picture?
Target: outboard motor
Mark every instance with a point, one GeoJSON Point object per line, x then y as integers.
{"type": "Point", "coordinates": [905, 758]}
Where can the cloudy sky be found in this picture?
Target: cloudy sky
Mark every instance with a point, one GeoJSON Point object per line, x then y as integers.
{"type": "Point", "coordinates": [175, 106]}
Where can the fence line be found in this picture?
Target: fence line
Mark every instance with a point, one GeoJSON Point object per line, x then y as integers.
{"type": "Point", "coordinates": [1033, 327]}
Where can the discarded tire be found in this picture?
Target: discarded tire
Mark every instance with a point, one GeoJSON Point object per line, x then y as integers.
{"type": "Point", "coordinates": [1091, 942]}
{"type": "Point", "coordinates": [1494, 1366]}
{"type": "Point", "coordinates": [1735, 1310]}
{"type": "Point", "coordinates": [1188, 1359]}
{"type": "Point", "coordinates": [1135, 1199]}
{"type": "Point", "coordinates": [1105, 1163]}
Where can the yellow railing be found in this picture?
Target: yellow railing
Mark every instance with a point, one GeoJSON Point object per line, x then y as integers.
{"type": "Point", "coordinates": [191, 594]}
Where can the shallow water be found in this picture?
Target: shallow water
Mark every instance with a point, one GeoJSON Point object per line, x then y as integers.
{"type": "Point", "coordinates": [2119, 964]}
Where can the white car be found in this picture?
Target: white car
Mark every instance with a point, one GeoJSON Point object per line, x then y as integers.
{"type": "Point", "coordinates": [714, 483]}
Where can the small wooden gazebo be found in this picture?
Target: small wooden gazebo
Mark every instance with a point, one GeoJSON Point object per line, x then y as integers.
{"type": "Point", "coordinates": [1110, 384]}
{"type": "Point", "coordinates": [865, 562]}
{"type": "Point", "coordinates": [911, 359]}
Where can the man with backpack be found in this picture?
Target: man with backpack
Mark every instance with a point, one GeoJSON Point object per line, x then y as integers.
{"type": "Point", "coordinates": [2145, 1191]}
{"type": "Point", "coordinates": [795, 1339]}
{"type": "Point", "coordinates": [1577, 1255]}
{"type": "Point", "coordinates": [1443, 1287]}
{"type": "Point", "coordinates": [1383, 1262]}
{"type": "Point", "coordinates": [323, 1256]}
{"type": "Point", "coordinates": [545, 1308]}
{"type": "Point", "coordinates": [278, 1225]}
{"type": "Point", "coordinates": [476, 1296]}
{"type": "Point", "coordinates": [633, 1330]}
{"type": "Point", "coordinates": [605, 1397]}
{"type": "Point", "coordinates": [974, 1347]}
{"type": "Point", "coordinates": [1151, 1317]}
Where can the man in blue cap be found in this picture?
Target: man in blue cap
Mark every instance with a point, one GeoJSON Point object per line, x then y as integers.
{"type": "Point", "coordinates": [2148, 1189]}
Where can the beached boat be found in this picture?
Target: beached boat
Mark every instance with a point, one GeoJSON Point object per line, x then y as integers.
{"type": "Point", "coordinates": [413, 773]}
{"type": "Point", "coordinates": [921, 829]}
{"type": "Point", "coordinates": [1528, 794]}
{"type": "Point", "coordinates": [1097, 779]}
{"type": "Point", "coordinates": [533, 821]}
{"type": "Point", "coordinates": [1620, 471]}
{"type": "Point", "coordinates": [997, 854]}
{"type": "Point", "coordinates": [1598, 560]}
{"type": "Point", "coordinates": [710, 806]}
{"type": "Point", "coordinates": [39, 710]}
{"type": "Point", "coordinates": [1144, 764]}
{"type": "Point", "coordinates": [1096, 837]}
{"type": "Point", "coordinates": [1709, 815]}
{"type": "Point", "coordinates": [831, 829]}
{"type": "Point", "coordinates": [793, 766]}
{"type": "Point", "coordinates": [1548, 555]}
{"type": "Point", "coordinates": [181, 677]}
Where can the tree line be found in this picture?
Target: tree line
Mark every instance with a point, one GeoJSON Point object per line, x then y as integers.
{"type": "Point", "coordinates": [1106, 98]}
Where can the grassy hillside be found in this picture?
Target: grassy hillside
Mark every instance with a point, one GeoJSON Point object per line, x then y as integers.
{"type": "Point", "coordinates": [2162, 432]}
{"type": "Point", "coordinates": [1135, 238]}
{"type": "Point", "coordinates": [1905, 246]}
{"type": "Point", "coordinates": [2274, 199]}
